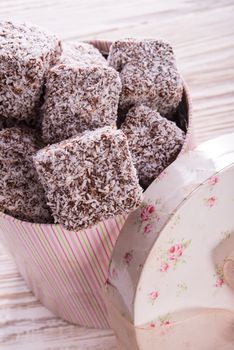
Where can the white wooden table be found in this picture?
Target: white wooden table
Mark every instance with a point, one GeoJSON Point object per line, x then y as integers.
{"type": "Point", "coordinates": [202, 33]}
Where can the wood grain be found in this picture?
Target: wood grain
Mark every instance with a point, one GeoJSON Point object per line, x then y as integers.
{"type": "Point", "coordinates": [202, 33]}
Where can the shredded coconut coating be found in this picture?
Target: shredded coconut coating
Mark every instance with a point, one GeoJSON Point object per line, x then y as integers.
{"type": "Point", "coordinates": [79, 97]}
{"type": "Point", "coordinates": [26, 53]}
{"type": "Point", "coordinates": [81, 52]}
{"type": "Point", "coordinates": [148, 73]}
{"type": "Point", "coordinates": [21, 194]}
{"type": "Point", "coordinates": [154, 142]}
{"type": "Point", "coordinates": [13, 122]}
{"type": "Point", "coordinates": [8, 122]}
{"type": "Point", "coordinates": [89, 178]}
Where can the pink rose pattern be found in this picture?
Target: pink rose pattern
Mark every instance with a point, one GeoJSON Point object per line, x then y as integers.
{"type": "Point", "coordinates": [128, 257]}
{"type": "Point", "coordinates": [161, 321]}
{"type": "Point", "coordinates": [165, 323]}
{"type": "Point", "coordinates": [148, 229]}
{"type": "Point", "coordinates": [219, 277]}
{"type": "Point", "coordinates": [219, 282]}
{"type": "Point", "coordinates": [154, 295]}
{"type": "Point", "coordinates": [210, 202]}
{"type": "Point", "coordinates": [173, 255]}
{"type": "Point", "coordinates": [175, 251]}
{"type": "Point", "coordinates": [164, 267]}
{"type": "Point", "coordinates": [213, 180]}
{"type": "Point", "coordinates": [165, 320]}
{"type": "Point", "coordinates": [146, 212]}
{"type": "Point", "coordinates": [147, 219]}
{"type": "Point", "coordinates": [152, 325]}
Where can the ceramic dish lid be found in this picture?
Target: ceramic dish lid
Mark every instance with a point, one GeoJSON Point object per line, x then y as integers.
{"type": "Point", "coordinates": [171, 251]}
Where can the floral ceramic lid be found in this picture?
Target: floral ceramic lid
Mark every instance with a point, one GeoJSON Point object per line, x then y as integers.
{"type": "Point", "coordinates": [170, 254]}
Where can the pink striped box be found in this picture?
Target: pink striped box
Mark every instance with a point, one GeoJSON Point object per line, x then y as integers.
{"type": "Point", "coordinates": [67, 270]}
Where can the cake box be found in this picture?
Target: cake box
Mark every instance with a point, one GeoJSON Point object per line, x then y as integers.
{"type": "Point", "coordinates": [171, 276]}
{"type": "Point", "coordinates": [67, 271]}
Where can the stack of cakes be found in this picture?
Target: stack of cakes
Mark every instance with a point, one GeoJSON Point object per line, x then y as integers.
{"type": "Point", "coordinates": [82, 136]}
